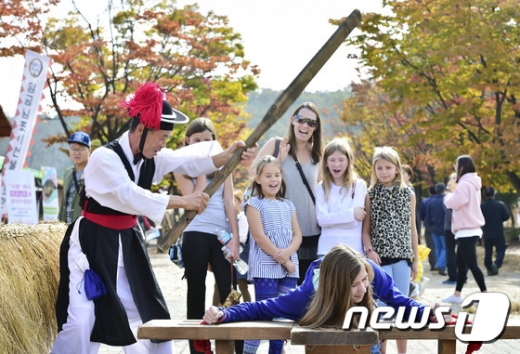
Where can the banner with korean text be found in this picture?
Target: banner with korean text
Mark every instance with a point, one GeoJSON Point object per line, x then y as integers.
{"type": "Point", "coordinates": [21, 197]}
{"type": "Point", "coordinates": [33, 82]}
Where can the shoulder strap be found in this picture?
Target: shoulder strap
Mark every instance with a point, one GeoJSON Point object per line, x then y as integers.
{"type": "Point", "coordinates": [277, 147]}
{"type": "Point", "coordinates": [75, 180]}
{"type": "Point", "coordinates": [299, 167]}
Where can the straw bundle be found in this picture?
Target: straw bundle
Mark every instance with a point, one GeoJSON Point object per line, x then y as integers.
{"type": "Point", "coordinates": [29, 275]}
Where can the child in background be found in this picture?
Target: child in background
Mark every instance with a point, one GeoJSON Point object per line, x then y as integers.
{"type": "Point", "coordinates": [340, 199]}
{"type": "Point", "coordinates": [389, 233]}
{"type": "Point", "coordinates": [276, 236]}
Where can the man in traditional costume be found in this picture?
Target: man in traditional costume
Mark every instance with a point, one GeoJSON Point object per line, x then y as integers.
{"type": "Point", "coordinates": [118, 178]}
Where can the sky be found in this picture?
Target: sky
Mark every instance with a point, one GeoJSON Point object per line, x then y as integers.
{"type": "Point", "coordinates": [280, 36]}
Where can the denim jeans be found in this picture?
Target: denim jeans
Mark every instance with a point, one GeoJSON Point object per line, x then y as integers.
{"type": "Point", "coordinates": [440, 250]}
{"type": "Point", "coordinates": [400, 273]}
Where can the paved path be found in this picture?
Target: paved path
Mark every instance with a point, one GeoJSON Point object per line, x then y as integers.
{"type": "Point", "coordinates": [174, 289]}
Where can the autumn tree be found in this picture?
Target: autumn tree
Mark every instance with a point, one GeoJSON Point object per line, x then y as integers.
{"type": "Point", "coordinates": [21, 25]}
{"type": "Point", "coordinates": [453, 66]}
{"type": "Point", "coordinates": [376, 121]}
{"type": "Point", "coordinates": [196, 57]}
{"type": "Point", "coordinates": [98, 62]}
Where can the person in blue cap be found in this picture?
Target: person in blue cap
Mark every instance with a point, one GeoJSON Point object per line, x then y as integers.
{"type": "Point", "coordinates": [104, 240]}
{"type": "Point", "coordinates": [79, 152]}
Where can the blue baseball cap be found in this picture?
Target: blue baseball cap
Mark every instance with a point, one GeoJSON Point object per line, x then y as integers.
{"type": "Point", "coordinates": [80, 138]}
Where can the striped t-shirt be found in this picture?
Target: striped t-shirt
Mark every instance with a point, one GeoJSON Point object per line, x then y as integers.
{"type": "Point", "coordinates": [276, 218]}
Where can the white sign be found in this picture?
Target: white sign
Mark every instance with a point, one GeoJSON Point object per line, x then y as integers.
{"type": "Point", "coordinates": [50, 194]}
{"type": "Point", "coordinates": [21, 197]}
{"type": "Point", "coordinates": [33, 83]}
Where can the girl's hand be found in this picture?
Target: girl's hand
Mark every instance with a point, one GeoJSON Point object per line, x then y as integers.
{"type": "Point", "coordinates": [212, 315]}
{"type": "Point", "coordinates": [374, 257]}
{"type": "Point", "coordinates": [289, 266]}
{"type": "Point", "coordinates": [359, 213]}
{"type": "Point", "coordinates": [280, 256]}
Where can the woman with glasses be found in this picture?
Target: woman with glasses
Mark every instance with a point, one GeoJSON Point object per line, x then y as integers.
{"type": "Point", "coordinates": [300, 153]}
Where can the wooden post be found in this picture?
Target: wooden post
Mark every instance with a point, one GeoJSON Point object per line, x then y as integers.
{"type": "Point", "coordinates": [282, 103]}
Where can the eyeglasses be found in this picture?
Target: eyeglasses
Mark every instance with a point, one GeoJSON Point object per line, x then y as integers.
{"type": "Point", "coordinates": [310, 122]}
{"type": "Point", "coordinates": [81, 149]}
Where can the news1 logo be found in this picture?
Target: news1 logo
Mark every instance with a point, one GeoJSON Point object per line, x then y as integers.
{"type": "Point", "coordinates": [488, 323]}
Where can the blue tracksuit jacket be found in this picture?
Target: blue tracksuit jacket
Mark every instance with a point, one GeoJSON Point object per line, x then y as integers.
{"type": "Point", "coordinates": [293, 305]}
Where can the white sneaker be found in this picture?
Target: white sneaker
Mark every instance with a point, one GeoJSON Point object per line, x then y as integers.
{"type": "Point", "coordinates": [453, 299]}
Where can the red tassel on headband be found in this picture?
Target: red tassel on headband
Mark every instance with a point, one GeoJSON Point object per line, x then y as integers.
{"type": "Point", "coordinates": [146, 104]}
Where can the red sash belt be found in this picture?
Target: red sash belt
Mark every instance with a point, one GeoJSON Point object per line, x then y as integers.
{"type": "Point", "coordinates": [116, 222]}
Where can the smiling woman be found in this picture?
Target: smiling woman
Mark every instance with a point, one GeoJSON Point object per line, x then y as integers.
{"type": "Point", "coordinates": [300, 154]}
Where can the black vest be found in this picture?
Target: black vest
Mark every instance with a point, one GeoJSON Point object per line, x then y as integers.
{"type": "Point", "coordinates": [145, 179]}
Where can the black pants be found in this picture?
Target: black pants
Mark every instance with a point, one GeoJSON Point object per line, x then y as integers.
{"type": "Point", "coordinates": [199, 249]}
{"type": "Point", "coordinates": [467, 259]}
{"type": "Point", "coordinates": [500, 244]}
{"type": "Point", "coordinates": [451, 256]}
{"type": "Point", "coordinates": [429, 243]}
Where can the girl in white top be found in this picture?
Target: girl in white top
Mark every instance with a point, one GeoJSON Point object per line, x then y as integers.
{"type": "Point", "coordinates": [340, 199]}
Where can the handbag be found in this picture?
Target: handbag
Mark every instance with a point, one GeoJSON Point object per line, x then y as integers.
{"type": "Point", "coordinates": [175, 252]}
{"type": "Point", "coordinates": [234, 295]}
{"type": "Point", "coordinates": [94, 285]}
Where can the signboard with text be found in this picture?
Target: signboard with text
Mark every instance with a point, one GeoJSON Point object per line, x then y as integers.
{"type": "Point", "coordinates": [21, 197]}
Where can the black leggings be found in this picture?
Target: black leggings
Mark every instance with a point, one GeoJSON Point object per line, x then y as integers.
{"type": "Point", "coordinates": [467, 259]}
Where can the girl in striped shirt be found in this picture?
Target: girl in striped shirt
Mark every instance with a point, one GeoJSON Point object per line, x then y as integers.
{"type": "Point", "coordinates": [273, 262]}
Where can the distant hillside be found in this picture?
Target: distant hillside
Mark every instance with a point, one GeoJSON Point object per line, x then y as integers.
{"type": "Point", "coordinates": [41, 155]}
{"type": "Point", "coordinates": [329, 104]}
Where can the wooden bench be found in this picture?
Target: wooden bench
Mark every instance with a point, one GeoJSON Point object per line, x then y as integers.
{"type": "Point", "coordinates": [316, 341]}
{"type": "Point", "coordinates": [224, 334]}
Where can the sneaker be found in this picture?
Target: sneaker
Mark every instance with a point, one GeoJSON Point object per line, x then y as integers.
{"type": "Point", "coordinates": [494, 269]}
{"type": "Point", "coordinates": [449, 282]}
{"type": "Point", "coordinates": [453, 299]}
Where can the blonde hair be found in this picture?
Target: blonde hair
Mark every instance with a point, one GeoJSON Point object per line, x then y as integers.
{"type": "Point", "coordinates": [389, 154]}
{"type": "Point", "coordinates": [333, 299]}
{"type": "Point", "coordinates": [349, 177]}
{"type": "Point", "coordinates": [257, 188]}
